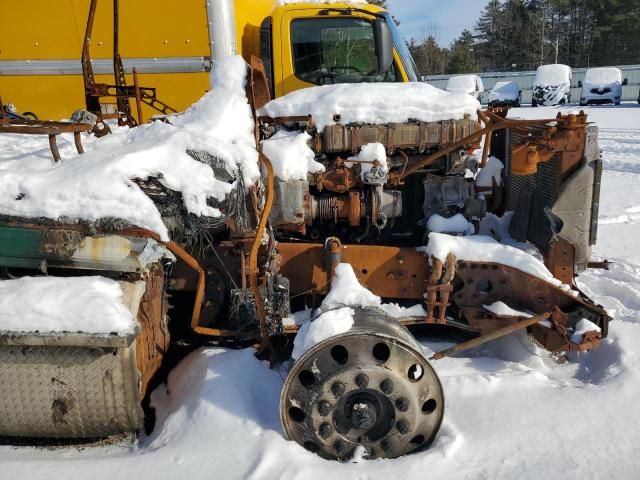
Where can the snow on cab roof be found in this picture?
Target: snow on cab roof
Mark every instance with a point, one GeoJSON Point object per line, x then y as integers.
{"type": "Point", "coordinates": [377, 103]}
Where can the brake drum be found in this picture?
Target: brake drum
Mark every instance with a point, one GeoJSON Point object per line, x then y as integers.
{"type": "Point", "coordinates": [371, 387]}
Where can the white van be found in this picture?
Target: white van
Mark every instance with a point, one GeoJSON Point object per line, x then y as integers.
{"type": "Point", "coordinates": [552, 85]}
{"type": "Point", "coordinates": [505, 93]}
{"type": "Point", "coordinates": [471, 84]}
{"type": "Point", "coordinates": [602, 85]}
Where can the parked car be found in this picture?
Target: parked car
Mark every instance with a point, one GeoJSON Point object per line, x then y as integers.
{"type": "Point", "coordinates": [602, 85]}
{"type": "Point", "coordinates": [471, 84]}
{"type": "Point", "coordinates": [505, 94]}
{"type": "Point", "coordinates": [552, 85]}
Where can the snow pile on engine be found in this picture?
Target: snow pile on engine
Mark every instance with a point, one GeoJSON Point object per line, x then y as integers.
{"type": "Point", "coordinates": [92, 305]}
{"type": "Point", "coordinates": [378, 103]}
{"type": "Point", "coordinates": [290, 155]}
{"type": "Point", "coordinates": [455, 224]}
{"type": "Point", "coordinates": [99, 184]}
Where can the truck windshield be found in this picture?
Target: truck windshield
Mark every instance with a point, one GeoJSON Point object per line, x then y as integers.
{"type": "Point", "coordinates": [336, 50]}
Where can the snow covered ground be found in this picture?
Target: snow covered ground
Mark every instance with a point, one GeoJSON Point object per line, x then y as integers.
{"type": "Point", "coordinates": [511, 411]}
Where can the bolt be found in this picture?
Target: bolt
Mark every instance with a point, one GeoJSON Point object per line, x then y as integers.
{"type": "Point", "coordinates": [386, 386]}
{"type": "Point", "coordinates": [337, 389]}
{"type": "Point", "coordinates": [324, 408]}
{"type": "Point", "coordinates": [402, 404]}
{"type": "Point", "coordinates": [403, 427]}
{"type": "Point", "coordinates": [325, 430]}
{"type": "Point", "coordinates": [362, 380]}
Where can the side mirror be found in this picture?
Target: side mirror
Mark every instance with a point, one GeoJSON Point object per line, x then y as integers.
{"type": "Point", "coordinates": [625, 82]}
{"type": "Point", "coordinates": [579, 83]}
{"type": "Point", "coordinates": [384, 45]}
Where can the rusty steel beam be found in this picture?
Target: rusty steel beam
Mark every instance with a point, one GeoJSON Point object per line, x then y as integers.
{"type": "Point", "coordinates": [255, 247]}
{"type": "Point", "coordinates": [52, 129]}
{"type": "Point", "coordinates": [501, 332]}
{"type": "Point", "coordinates": [136, 86]}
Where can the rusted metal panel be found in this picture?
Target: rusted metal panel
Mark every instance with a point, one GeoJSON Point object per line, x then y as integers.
{"type": "Point", "coordinates": [561, 260]}
{"type": "Point", "coordinates": [390, 272]}
{"type": "Point", "coordinates": [349, 138]}
{"type": "Point", "coordinates": [153, 341]}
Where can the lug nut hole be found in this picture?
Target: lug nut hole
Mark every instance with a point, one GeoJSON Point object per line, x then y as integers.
{"type": "Point", "coordinates": [312, 447]}
{"type": "Point", "coordinates": [297, 415]}
{"type": "Point", "coordinates": [381, 352]}
{"type": "Point", "coordinates": [339, 354]}
{"type": "Point", "coordinates": [415, 372]}
{"type": "Point", "coordinates": [307, 378]}
{"type": "Point", "coordinates": [429, 406]}
{"type": "Point", "coordinates": [418, 440]}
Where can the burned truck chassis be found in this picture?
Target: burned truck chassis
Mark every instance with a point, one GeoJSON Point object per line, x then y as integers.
{"type": "Point", "coordinates": [278, 245]}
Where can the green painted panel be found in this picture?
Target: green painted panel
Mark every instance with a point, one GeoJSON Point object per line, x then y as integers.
{"type": "Point", "coordinates": [20, 247]}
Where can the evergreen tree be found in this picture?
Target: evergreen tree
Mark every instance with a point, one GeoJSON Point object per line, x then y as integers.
{"type": "Point", "coordinates": [522, 34]}
{"type": "Point", "coordinates": [462, 57]}
{"type": "Point", "coordinates": [489, 35]}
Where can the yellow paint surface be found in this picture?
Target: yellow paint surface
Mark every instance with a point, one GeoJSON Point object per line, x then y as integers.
{"type": "Point", "coordinates": [46, 29]}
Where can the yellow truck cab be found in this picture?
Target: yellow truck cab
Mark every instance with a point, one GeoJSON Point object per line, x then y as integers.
{"type": "Point", "coordinates": [173, 45]}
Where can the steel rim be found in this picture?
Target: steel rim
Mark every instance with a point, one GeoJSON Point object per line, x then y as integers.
{"type": "Point", "coordinates": [382, 395]}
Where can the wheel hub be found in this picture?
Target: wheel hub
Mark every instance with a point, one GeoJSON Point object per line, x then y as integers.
{"type": "Point", "coordinates": [369, 387]}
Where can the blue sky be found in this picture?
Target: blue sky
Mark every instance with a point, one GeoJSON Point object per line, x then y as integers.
{"type": "Point", "coordinates": [449, 16]}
